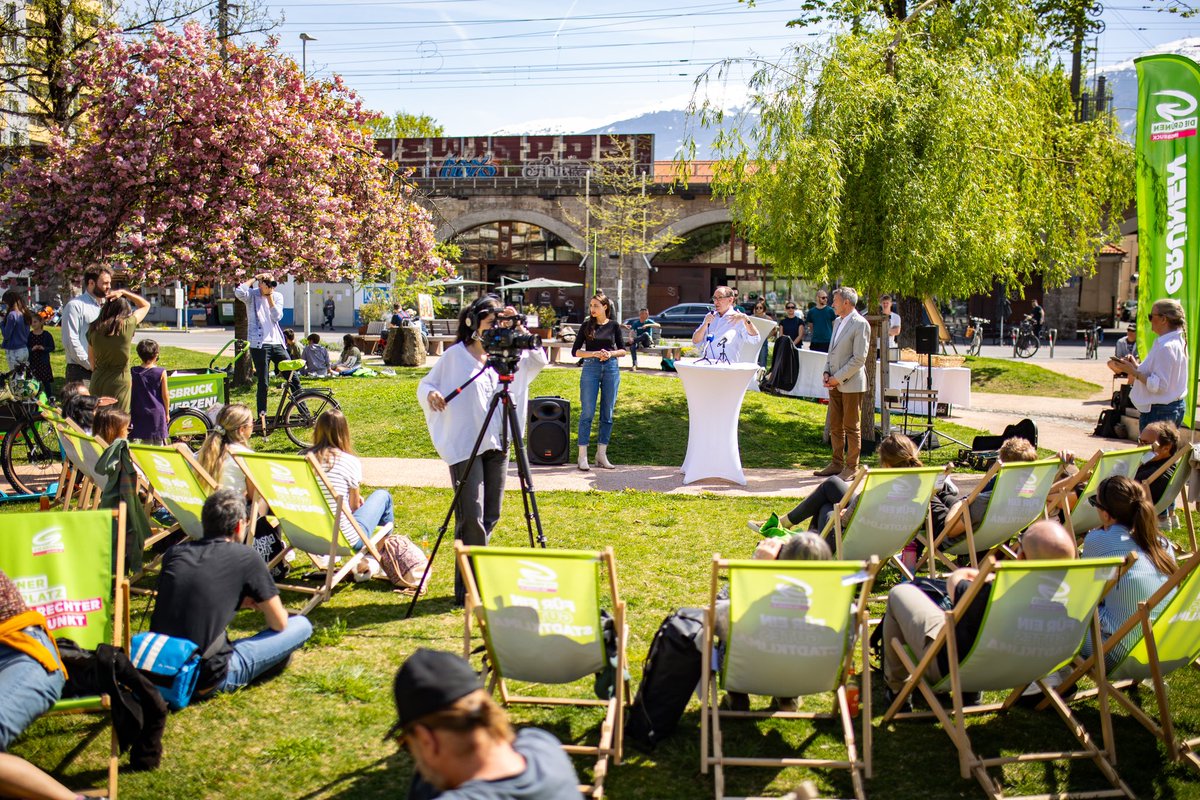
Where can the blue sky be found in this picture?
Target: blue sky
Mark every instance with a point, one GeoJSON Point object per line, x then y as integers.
{"type": "Point", "coordinates": [478, 66]}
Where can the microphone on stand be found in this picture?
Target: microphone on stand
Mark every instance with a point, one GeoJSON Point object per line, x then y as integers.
{"type": "Point", "coordinates": [708, 340]}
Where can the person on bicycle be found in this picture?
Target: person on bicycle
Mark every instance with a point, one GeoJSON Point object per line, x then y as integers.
{"type": "Point", "coordinates": [1039, 316]}
{"type": "Point", "coordinates": [264, 310]}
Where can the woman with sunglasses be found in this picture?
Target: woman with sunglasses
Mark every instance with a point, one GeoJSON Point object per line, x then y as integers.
{"type": "Point", "coordinates": [1127, 523]}
{"type": "Point", "coordinates": [1160, 382]}
{"type": "Point", "coordinates": [762, 311]}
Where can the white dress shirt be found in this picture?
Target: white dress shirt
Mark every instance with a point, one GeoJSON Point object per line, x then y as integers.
{"type": "Point", "coordinates": [262, 317]}
{"type": "Point", "coordinates": [893, 322]}
{"type": "Point", "coordinates": [1166, 373]}
{"type": "Point", "coordinates": [77, 316]}
{"type": "Point", "coordinates": [455, 428]}
{"type": "Point", "coordinates": [722, 325]}
{"type": "Point", "coordinates": [839, 326]}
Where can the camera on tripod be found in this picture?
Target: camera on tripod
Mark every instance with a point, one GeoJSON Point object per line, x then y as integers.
{"type": "Point", "coordinates": [504, 342]}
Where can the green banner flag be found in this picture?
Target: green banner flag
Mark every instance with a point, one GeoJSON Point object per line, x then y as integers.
{"type": "Point", "coordinates": [1168, 186]}
{"type": "Point", "coordinates": [187, 390]}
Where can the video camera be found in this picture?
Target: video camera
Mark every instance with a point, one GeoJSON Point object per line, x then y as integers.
{"type": "Point", "coordinates": [504, 342]}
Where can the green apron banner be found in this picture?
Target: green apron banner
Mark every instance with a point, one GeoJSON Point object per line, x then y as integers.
{"type": "Point", "coordinates": [1168, 184]}
{"type": "Point", "coordinates": [62, 564]}
{"type": "Point", "coordinates": [195, 391]}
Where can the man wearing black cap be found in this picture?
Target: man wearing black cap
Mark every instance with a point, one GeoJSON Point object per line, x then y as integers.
{"type": "Point", "coordinates": [462, 743]}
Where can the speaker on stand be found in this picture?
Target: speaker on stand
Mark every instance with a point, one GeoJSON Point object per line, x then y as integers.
{"type": "Point", "coordinates": [548, 431]}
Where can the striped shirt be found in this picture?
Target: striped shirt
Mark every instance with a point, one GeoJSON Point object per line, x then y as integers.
{"type": "Point", "coordinates": [1141, 581]}
{"type": "Point", "coordinates": [345, 473]}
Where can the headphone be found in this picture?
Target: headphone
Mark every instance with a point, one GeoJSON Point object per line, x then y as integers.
{"type": "Point", "coordinates": [482, 305]}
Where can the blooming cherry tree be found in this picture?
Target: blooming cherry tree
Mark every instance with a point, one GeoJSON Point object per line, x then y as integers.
{"type": "Point", "coordinates": [190, 165]}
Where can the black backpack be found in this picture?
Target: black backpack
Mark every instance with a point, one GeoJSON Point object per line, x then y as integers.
{"type": "Point", "coordinates": [669, 675]}
{"type": "Point", "coordinates": [1106, 426]}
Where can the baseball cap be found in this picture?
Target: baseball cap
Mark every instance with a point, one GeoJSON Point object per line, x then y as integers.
{"type": "Point", "coordinates": [429, 681]}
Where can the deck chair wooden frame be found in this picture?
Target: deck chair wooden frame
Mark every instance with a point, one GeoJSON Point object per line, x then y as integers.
{"type": "Point", "coordinates": [306, 519]}
{"type": "Point", "coordinates": [1033, 479]}
{"type": "Point", "coordinates": [109, 530]}
{"type": "Point", "coordinates": [1176, 489]}
{"type": "Point", "coordinates": [1179, 620]}
{"type": "Point", "coordinates": [556, 659]}
{"type": "Point", "coordinates": [1050, 605]}
{"type": "Point", "coordinates": [790, 595]}
{"type": "Point", "coordinates": [85, 484]}
{"type": "Point", "coordinates": [905, 498]}
{"type": "Point", "coordinates": [52, 417]}
{"type": "Point", "coordinates": [1078, 516]}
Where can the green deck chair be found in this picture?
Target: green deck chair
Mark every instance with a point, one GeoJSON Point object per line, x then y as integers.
{"type": "Point", "coordinates": [1034, 624]}
{"type": "Point", "coordinates": [1104, 464]}
{"type": "Point", "coordinates": [298, 493]}
{"type": "Point", "coordinates": [538, 612]}
{"type": "Point", "coordinates": [55, 555]}
{"type": "Point", "coordinates": [1018, 500]}
{"type": "Point", "coordinates": [892, 508]}
{"type": "Point", "coordinates": [82, 451]}
{"type": "Point", "coordinates": [1176, 491]}
{"type": "Point", "coordinates": [1169, 641]}
{"type": "Point", "coordinates": [792, 632]}
{"type": "Point", "coordinates": [179, 482]}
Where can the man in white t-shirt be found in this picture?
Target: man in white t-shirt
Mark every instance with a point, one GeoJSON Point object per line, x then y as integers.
{"type": "Point", "coordinates": [885, 304]}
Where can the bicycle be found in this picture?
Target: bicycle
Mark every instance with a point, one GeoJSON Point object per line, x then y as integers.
{"type": "Point", "coordinates": [1025, 341]}
{"type": "Point", "coordinates": [974, 335]}
{"type": "Point", "coordinates": [296, 413]}
{"type": "Point", "coordinates": [30, 455]}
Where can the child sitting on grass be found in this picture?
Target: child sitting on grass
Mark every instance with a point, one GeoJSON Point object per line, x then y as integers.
{"type": "Point", "coordinates": [149, 399]}
{"type": "Point", "coordinates": [351, 358]}
{"type": "Point", "coordinates": [316, 357]}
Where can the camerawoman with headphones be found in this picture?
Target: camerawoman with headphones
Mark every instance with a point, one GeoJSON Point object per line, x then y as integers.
{"type": "Point", "coordinates": [455, 423]}
{"type": "Point", "coordinates": [264, 310]}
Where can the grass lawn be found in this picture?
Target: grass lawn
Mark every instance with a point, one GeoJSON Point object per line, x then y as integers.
{"type": "Point", "coordinates": [1009, 376]}
{"type": "Point", "coordinates": [316, 731]}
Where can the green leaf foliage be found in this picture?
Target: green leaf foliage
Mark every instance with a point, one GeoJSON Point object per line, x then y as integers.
{"type": "Point", "coordinates": [935, 157]}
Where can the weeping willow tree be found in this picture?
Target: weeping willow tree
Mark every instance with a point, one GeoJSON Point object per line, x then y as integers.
{"type": "Point", "coordinates": [933, 155]}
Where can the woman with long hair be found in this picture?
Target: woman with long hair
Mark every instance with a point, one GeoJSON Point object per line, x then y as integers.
{"type": "Point", "coordinates": [455, 396]}
{"type": "Point", "coordinates": [598, 346]}
{"type": "Point", "coordinates": [335, 454]}
{"type": "Point", "coordinates": [1127, 523]}
{"type": "Point", "coordinates": [16, 328]}
{"type": "Point", "coordinates": [230, 434]}
{"type": "Point", "coordinates": [110, 339]}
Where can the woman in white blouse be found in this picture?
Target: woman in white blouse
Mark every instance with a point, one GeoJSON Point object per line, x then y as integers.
{"type": "Point", "coordinates": [455, 423]}
{"type": "Point", "coordinates": [1160, 383]}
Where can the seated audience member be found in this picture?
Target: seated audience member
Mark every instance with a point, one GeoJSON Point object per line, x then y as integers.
{"type": "Point", "coordinates": [351, 357]}
{"type": "Point", "coordinates": [230, 434]}
{"type": "Point", "coordinates": [1127, 524]}
{"type": "Point", "coordinates": [81, 409]}
{"type": "Point", "coordinates": [70, 389]}
{"type": "Point", "coordinates": [1012, 450]}
{"type": "Point", "coordinates": [316, 357]}
{"type": "Point", "coordinates": [289, 344]}
{"type": "Point", "coordinates": [1163, 439]}
{"type": "Point", "coordinates": [896, 451]}
{"type": "Point", "coordinates": [333, 451]}
{"type": "Point", "coordinates": [31, 680]}
{"type": "Point", "coordinates": [461, 742]}
{"type": "Point", "coordinates": [203, 585]}
{"type": "Point", "coordinates": [111, 426]}
{"type": "Point", "coordinates": [914, 619]}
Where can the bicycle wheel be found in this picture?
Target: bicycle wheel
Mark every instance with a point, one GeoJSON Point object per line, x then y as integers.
{"type": "Point", "coordinates": [31, 457]}
{"type": "Point", "coordinates": [1027, 345]}
{"type": "Point", "coordinates": [188, 426]}
{"type": "Point", "coordinates": [301, 414]}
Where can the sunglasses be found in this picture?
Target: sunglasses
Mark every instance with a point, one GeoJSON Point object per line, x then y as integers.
{"type": "Point", "coordinates": [1094, 502]}
{"type": "Point", "coordinates": [789, 308]}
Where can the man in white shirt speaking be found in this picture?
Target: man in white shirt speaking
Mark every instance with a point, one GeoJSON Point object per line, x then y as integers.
{"type": "Point", "coordinates": [726, 329]}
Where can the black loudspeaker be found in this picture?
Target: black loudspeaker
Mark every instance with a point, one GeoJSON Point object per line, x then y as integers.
{"type": "Point", "coordinates": [927, 340]}
{"type": "Point", "coordinates": [548, 432]}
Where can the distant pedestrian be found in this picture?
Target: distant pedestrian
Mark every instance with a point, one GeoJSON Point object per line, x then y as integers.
{"type": "Point", "coordinates": [41, 345]}
{"type": "Point", "coordinates": [16, 328]}
{"type": "Point", "coordinates": [328, 309]}
{"type": "Point", "coordinates": [820, 323]}
{"type": "Point", "coordinates": [1039, 317]}
{"type": "Point", "coordinates": [149, 399]}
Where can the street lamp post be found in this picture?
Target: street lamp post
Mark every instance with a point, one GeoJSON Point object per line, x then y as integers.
{"type": "Point", "coordinates": [304, 40]}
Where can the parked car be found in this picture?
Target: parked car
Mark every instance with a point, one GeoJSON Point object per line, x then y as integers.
{"type": "Point", "coordinates": [680, 320]}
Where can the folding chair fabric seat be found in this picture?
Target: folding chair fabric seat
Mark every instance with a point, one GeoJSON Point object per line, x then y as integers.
{"type": "Point", "coordinates": [793, 628]}
{"type": "Point", "coordinates": [538, 612]}
{"type": "Point", "coordinates": [1105, 464]}
{"type": "Point", "coordinates": [180, 483]}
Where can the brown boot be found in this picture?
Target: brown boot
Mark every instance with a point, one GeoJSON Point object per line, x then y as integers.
{"type": "Point", "coordinates": [830, 469]}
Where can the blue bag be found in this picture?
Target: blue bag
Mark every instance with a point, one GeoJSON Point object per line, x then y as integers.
{"type": "Point", "coordinates": [172, 664]}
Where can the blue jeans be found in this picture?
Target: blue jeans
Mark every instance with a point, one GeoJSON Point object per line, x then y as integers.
{"type": "Point", "coordinates": [601, 378]}
{"type": "Point", "coordinates": [28, 690]}
{"type": "Point", "coordinates": [1160, 412]}
{"type": "Point", "coordinates": [260, 356]}
{"type": "Point", "coordinates": [376, 510]}
{"type": "Point", "coordinates": [253, 656]}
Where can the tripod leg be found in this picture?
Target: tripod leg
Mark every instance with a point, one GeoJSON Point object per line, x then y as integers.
{"type": "Point", "coordinates": [528, 497]}
{"type": "Point", "coordinates": [453, 504]}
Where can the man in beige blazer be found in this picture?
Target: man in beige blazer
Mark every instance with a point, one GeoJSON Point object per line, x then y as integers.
{"type": "Point", "coordinates": [846, 380]}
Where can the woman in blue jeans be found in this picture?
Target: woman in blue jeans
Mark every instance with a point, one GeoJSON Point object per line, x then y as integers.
{"type": "Point", "coordinates": [598, 346]}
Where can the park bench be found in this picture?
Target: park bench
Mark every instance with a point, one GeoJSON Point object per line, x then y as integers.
{"type": "Point", "coordinates": [441, 332]}
{"type": "Point", "coordinates": [373, 340]}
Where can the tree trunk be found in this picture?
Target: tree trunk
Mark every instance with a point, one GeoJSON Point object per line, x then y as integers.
{"type": "Point", "coordinates": [241, 332]}
{"type": "Point", "coordinates": [867, 414]}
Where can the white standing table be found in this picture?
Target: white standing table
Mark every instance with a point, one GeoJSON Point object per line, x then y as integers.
{"type": "Point", "coordinates": [714, 396]}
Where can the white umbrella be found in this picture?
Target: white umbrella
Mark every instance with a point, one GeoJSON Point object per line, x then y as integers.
{"type": "Point", "coordinates": [457, 283]}
{"type": "Point", "coordinates": [541, 283]}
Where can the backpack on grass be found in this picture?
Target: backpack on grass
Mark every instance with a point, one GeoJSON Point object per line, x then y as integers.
{"type": "Point", "coordinates": [403, 561]}
{"type": "Point", "coordinates": [669, 676]}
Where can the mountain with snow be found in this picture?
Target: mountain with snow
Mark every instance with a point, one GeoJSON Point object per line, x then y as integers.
{"type": "Point", "coordinates": [1122, 80]}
